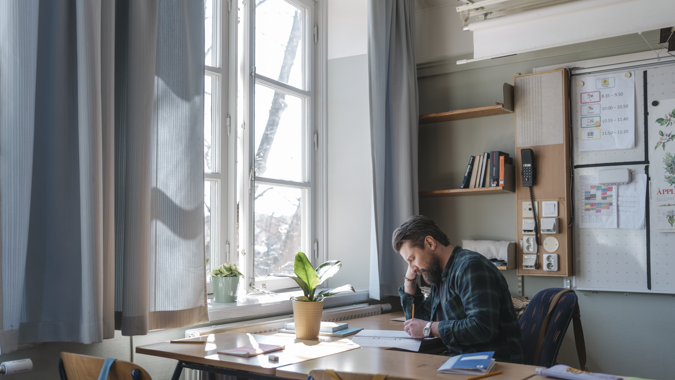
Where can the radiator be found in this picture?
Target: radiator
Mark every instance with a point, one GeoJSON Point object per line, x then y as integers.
{"type": "Point", "coordinates": [266, 325]}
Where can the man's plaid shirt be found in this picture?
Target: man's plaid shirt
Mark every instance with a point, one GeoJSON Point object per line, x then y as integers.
{"type": "Point", "coordinates": [476, 302]}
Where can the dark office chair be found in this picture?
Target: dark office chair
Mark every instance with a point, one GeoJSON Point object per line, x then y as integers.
{"type": "Point", "coordinates": [83, 367]}
{"type": "Point", "coordinates": [544, 327]}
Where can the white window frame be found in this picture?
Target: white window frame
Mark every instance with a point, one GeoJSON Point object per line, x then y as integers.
{"type": "Point", "coordinates": [247, 80]}
{"type": "Point", "coordinates": [223, 202]}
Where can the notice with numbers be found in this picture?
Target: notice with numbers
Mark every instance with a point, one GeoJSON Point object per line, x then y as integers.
{"type": "Point", "coordinates": [604, 109]}
{"type": "Point", "coordinates": [597, 204]}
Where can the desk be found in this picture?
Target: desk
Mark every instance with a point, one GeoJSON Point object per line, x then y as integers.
{"type": "Point", "coordinates": [205, 357]}
{"type": "Point", "coordinates": [399, 363]}
{"type": "Point", "coordinates": [300, 357]}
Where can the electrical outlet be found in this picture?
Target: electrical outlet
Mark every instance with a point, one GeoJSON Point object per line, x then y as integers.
{"type": "Point", "coordinates": [550, 262]}
{"type": "Point", "coordinates": [527, 209]}
{"type": "Point", "coordinates": [529, 244]}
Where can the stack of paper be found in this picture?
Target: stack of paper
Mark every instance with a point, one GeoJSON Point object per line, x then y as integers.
{"type": "Point", "coordinates": [469, 364]}
{"type": "Point", "coordinates": [326, 329]}
{"type": "Point", "coordinates": [387, 338]}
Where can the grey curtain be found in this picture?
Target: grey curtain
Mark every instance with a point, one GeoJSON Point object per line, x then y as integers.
{"type": "Point", "coordinates": [101, 176]}
{"type": "Point", "coordinates": [394, 115]}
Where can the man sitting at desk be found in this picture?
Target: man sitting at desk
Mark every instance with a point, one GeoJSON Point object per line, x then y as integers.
{"type": "Point", "coordinates": [469, 306]}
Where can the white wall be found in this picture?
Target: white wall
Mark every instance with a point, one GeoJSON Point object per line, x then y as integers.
{"type": "Point", "coordinates": [349, 161]}
{"type": "Point", "coordinates": [438, 32]}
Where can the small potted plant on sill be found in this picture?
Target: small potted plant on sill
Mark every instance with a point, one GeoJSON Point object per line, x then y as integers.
{"type": "Point", "coordinates": [225, 280]}
{"type": "Point", "coordinates": [307, 309]}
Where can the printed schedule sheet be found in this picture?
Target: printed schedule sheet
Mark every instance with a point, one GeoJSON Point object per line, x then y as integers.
{"type": "Point", "coordinates": [604, 108]}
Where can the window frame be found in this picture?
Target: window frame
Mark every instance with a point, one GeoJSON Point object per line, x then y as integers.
{"type": "Point", "coordinates": [246, 144]}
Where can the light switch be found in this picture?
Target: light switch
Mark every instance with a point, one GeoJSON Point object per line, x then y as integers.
{"type": "Point", "coordinates": [550, 208]}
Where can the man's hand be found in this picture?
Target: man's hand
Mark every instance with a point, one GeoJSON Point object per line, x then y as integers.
{"type": "Point", "coordinates": [415, 327]}
{"type": "Point", "coordinates": [410, 273]}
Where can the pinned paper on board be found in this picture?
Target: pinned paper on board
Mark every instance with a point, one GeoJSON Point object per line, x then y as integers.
{"type": "Point", "coordinates": [605, 112]}
{"type": "Point", "coordinates": [661, 126]}
{"type": "Point", "coordinates": [597, 203]}
{"type": "Point", "coordinates": [632, 203]}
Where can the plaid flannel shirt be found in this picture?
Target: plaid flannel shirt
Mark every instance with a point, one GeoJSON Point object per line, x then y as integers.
{"type": "Point", "coordinates": [476, 302]}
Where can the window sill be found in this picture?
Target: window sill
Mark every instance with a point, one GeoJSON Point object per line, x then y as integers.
{"type": "Point", "coordinates": [261, 305]}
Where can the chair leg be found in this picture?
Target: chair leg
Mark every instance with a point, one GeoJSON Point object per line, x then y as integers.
{"type": "Point", "coordinates": [62, 370]}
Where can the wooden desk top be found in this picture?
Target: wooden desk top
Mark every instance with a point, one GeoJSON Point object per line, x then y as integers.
{"type": "Point", "coordinates": [296, 351]}
{"type": "Point", "coordinates": [399, 363]}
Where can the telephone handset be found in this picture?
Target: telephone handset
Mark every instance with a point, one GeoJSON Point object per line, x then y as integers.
{"type": "Point", "coordinates": [528, 171]}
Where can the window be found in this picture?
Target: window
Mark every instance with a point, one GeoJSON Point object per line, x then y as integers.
{"type": "Point", "coordinates": [220, 222]}
{"type": "Point", "coordinates": [276, 148]}
{"type": "Point", "coordinates": [260, 142]}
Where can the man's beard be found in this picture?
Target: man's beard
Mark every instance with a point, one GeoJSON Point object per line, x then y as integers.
{"type": "Point", "coordinates": [432, 274]}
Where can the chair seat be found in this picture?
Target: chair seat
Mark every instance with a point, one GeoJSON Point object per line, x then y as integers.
{"type": "Point", "coordinates": [83, 367]}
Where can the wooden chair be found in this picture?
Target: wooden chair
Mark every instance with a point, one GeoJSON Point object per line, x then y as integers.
{"type": "Point", "coordinates": [327, 374]}
{"type": "Point", "coordinates": [83, 367]}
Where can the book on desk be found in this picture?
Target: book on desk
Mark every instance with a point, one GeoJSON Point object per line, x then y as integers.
{"type": "Point", "coordinates": [476, 363]}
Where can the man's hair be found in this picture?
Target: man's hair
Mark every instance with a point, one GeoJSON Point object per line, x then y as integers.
{"type": "Point", "coordinates": [415, 230]}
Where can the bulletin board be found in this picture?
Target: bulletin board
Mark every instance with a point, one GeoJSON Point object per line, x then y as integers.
{"type": "Point", "coordinates": [625, 259]}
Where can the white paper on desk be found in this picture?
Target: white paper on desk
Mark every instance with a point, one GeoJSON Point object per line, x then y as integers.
{"type": "Point", "coordinates": [596, 203]}
{"type": "Point", "coordinates": [632, 203]}
{"type": "Point", "coordinates": [387, 338]}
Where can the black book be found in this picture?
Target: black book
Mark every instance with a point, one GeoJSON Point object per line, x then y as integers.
{"type": "Point", "coordinates": [467, 174]}
{"type": "Point", "coordinates": [493, 177]}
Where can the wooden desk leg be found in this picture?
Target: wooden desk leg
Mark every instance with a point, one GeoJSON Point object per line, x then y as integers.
{"type": "Point", "coordinates": [177, 371]}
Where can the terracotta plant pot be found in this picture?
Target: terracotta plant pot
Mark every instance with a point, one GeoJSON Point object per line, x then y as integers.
{"type": "Point", "coordinates": [307, 316]}
{"type": "Point", "coordinates": [225, 289]}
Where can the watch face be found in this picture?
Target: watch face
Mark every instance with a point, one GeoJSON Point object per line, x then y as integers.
{"type": "Point", "coordinates": [427, 331]}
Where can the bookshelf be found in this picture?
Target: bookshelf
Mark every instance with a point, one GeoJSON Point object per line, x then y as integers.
{"type": "Point", "coordinates": [457, 192]}
{"type": "Point", "coordinates": [503, 108]}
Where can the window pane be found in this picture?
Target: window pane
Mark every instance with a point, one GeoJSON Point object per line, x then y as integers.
{"type": "Point", "coordinates": [209, 108]}
{"type": "Point", "coordinates": [278, 42]}
{"type": "Point", "coordinates": [209, 23]}
{"type": "Point", "coordinates": [278, 135]}
{"type": "Point", "coordinates": [210, 192]}
{"type": "Point", "coordinates": [278, 228]}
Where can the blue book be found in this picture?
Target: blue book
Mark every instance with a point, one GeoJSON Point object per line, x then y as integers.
{"type": "Point", "coordinates": [476, 363]}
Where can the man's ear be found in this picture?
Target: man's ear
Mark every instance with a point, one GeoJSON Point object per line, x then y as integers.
{"type": "Point", "coordinates": [430, 242]}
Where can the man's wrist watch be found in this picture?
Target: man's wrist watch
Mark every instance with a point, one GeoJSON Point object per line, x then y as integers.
{"type": "Point", "coordinates": [427, 330]}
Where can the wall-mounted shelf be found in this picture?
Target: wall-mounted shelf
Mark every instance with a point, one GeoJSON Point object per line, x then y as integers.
{"type": "Point", "coordinates": [457, 192]}
{"type": "Point", "coordinates": [498, 109]}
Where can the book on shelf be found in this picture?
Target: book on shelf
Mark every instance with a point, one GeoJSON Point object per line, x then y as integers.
{"type": "Point", "coordinates": [476, 363]}
{"type": "Point", "coordinates": [481, 171]}
{"type": "Point", "coordinates": [467, 174]}
{"type": "Point", "coordinates": [503, 161]}
{"type": "Point", "coordinates": [493, 176]}
{"type": "Point", "coordinates": [250, 350]}
{"type": "Point", "coordinates": [474, 175]}
{"type": "Point", "coordinates": [484, 173]}
{"type": "Point", "coordinates": [327, 327]}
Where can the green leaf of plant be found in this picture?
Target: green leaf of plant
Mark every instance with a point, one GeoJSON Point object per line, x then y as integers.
{"type": "Point", "coordinates": [661, 133]}
{"type": "Point", "coordinates": [299, 281]}
{"type": "Point", "coordinates": [305, 271]}
{"type": "Point", "coordinates": [332, 292]}
{"type": "Point", "coordinates": [301, 299]}
{"type": "Point", "coordinates": [328, 270]}
{"type": "Point", "coordinates": [664, 147]}
{"type": "Point", "coordinates": [660, 120]}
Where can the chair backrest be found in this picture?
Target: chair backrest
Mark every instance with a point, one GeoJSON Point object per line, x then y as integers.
{"type": "Point", "coordinates": [83, 367]}
{"type": "Point", "coordinates": [534, 317]}
{"type": "Point", "coordinates": [325, 374]}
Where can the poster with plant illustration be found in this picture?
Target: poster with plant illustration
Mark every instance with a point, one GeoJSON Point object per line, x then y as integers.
{"type": "Point", "coordinates": [662, 164]}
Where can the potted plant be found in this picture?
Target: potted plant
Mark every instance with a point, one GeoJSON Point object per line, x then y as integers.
{"type": "Point", "coordinates": [307, 309]}
{"type": "Point", "coordinates": [225, 280]}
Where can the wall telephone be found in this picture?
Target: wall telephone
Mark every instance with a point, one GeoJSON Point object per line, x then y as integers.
{"type": "Point", "coordinates": [528, 171]}
{"type": "Point", "coordinates": [529, 174]}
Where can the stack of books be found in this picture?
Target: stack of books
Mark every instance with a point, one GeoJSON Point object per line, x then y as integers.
{"type": "Point", "coordinates": [486, 170]}
{"type": "Point", "coordinates": [327, 328]}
